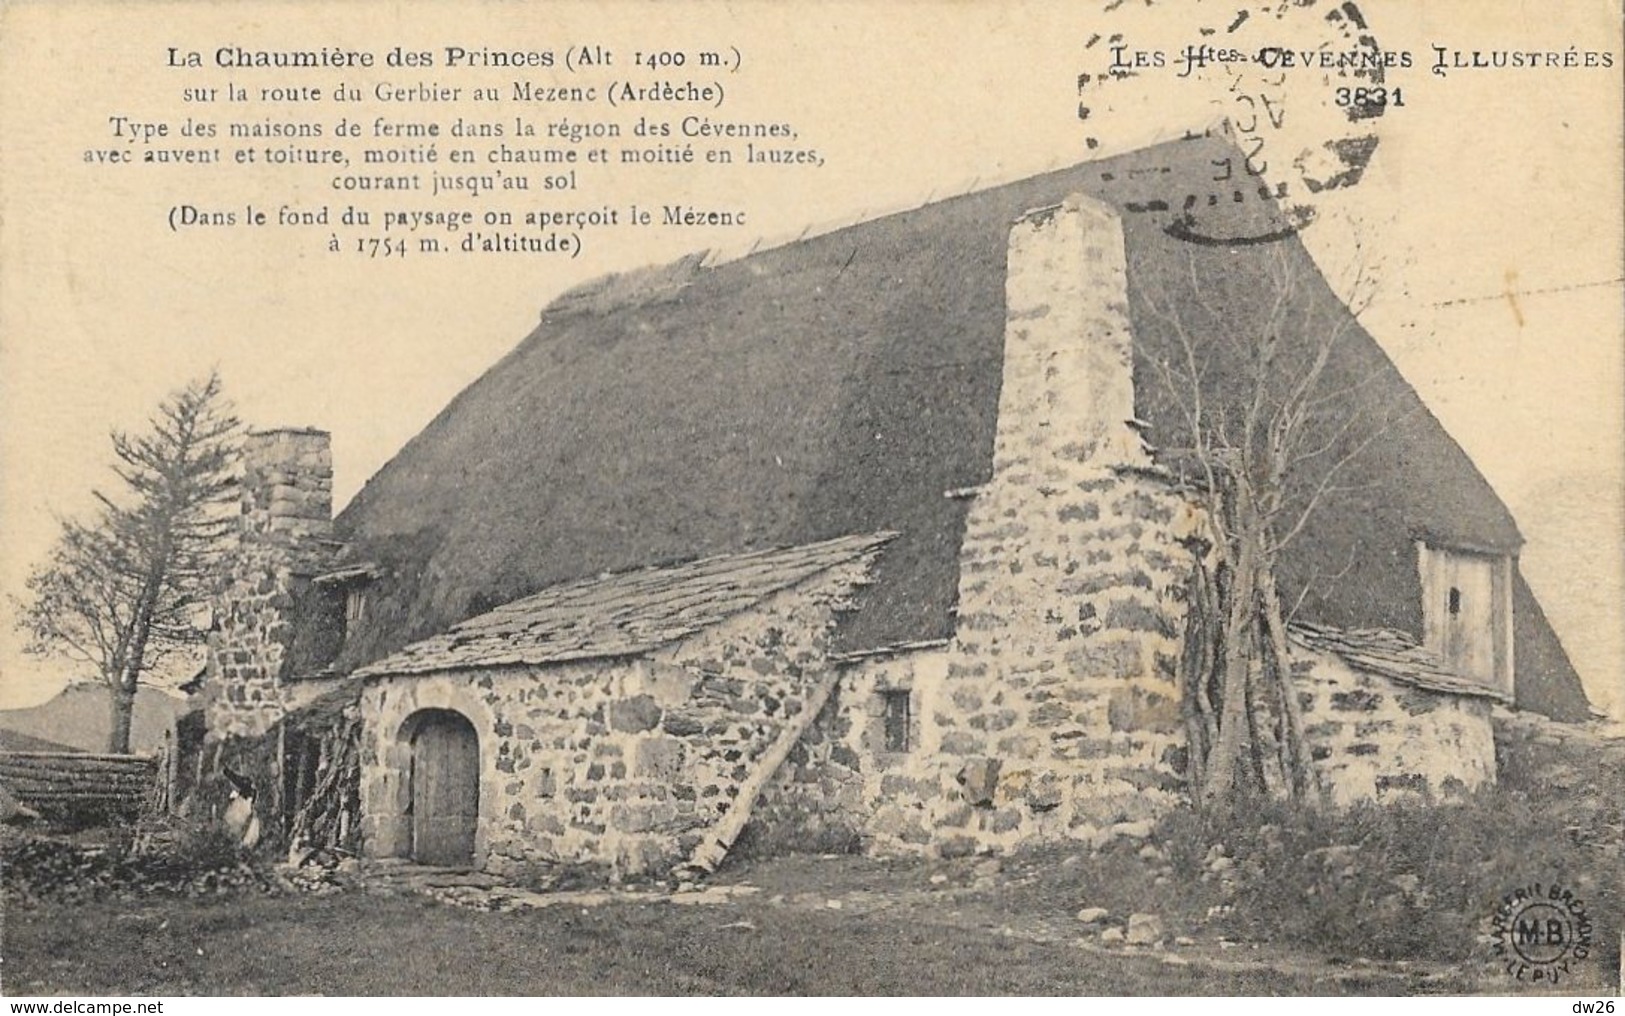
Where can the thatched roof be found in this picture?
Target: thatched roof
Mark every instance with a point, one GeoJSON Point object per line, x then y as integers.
{"type": "Point", "coordinates": [624, 613]}
{"type": "Point", "coordinates": [842, 383]}
{"type": "Point", "coordinates": [1546, 679]}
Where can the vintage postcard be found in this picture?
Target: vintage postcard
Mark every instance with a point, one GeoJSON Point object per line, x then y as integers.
{"type": "Point", "coordinates": [1099, 498]}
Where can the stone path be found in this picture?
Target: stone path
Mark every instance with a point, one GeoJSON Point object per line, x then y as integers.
{"type": "Point", "coordinates": [480, 891]}
{"type": "Point", "coordinates": [938, 904]}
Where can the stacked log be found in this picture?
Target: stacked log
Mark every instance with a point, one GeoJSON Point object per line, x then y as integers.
{"type": "Point", "coordinates": [329, 815]}
{"type": "Point", "coordinates": [74, 785]}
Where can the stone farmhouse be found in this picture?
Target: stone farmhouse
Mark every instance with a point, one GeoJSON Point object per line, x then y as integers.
{"type": "Point", "coordinates": [868, 537]}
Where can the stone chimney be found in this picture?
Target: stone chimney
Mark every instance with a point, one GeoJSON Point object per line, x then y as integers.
{"type": "Point", "coordinates": [1063, 671]}
{"type": "Point", "coordinates": [1068, 390]}
{"type": "Point", "coordinates": [287, 493]}
{"type": "Point", "coordinates": [284, 539]}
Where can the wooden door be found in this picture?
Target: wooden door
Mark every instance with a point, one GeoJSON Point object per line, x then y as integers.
{"type": "Point", "coordinates": [445, 790]}
{"type": "Point", "coordinates": [1470, 619]}
{"type": "Point", "coordinates": [1466, 612]}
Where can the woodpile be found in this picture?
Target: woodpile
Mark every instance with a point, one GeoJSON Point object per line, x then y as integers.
{"type": "Point", "coordinates": [329, 813]}
{"type": "Point", "coordinates": [67, 786]}
{"type": "Point", "coordinates": [306, 773]}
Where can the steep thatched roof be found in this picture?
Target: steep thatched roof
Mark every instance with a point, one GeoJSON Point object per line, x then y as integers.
{"type": "Point", "coordinates": [1546, 680]}
{"type": "Point", "coordinates": [842, 383]}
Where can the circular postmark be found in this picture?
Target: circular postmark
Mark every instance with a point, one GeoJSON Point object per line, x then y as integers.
{"type": "Point", "coordinates": [1293, 90]}
{"type": "Point", "coordinates": [1539, 932]}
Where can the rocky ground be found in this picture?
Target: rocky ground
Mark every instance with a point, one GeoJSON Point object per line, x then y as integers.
{"type": "Point", "coordinates": [1375, 901]}
{"type": "Point", "coordinates": [84, 918]}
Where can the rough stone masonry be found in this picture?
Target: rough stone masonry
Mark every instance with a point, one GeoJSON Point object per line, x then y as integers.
{"type": "Point", "coordinates": [284, 538]}
{"type": "Point", "coordinates": [1054, 710]}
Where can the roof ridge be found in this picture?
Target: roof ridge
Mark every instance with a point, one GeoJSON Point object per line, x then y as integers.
{"type": "Point", "coordinates": [861, 539]}
{"type": "Point", "coordinates": [722, 254]}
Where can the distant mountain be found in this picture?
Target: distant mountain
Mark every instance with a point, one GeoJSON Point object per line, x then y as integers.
{"type": "Point", "coordinates": [1573, 561]}
{"type": "Point", "coordinates": [78, 718]}
{"type": "Point", "coordinates": [11, 740]}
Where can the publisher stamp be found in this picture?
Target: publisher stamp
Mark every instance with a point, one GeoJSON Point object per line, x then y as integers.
{"type": "Point", "coordinates": [1540, 932]}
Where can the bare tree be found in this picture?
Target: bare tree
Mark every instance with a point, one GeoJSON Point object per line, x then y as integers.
{"type": "Point", "coordinates": [120, 592]}
{"type": "Point", "coordinates": [1246, 368]}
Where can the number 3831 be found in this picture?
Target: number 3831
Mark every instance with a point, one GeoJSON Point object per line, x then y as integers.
{"type": "Point", "coordinates": [1370, 97]}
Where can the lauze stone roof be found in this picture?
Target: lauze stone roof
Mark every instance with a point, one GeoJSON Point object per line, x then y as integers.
{"type": "Point", "coordinates": [1394, 655]}
{"type": "Point", "coordinates": [622, 614]}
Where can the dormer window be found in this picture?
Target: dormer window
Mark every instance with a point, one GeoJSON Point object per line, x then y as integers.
{"type": "Point", "coordinates": [1467, 611]}
{"type": "Point", "coordinates": [355, 605]}
{"type": "Point", "coordinates": [338, 606]}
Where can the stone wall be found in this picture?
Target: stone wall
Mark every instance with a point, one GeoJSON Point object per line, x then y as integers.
{"type": "Point", "coordinates": [1054, 711]}
{"type": "Point", "coordinates": [840, 786]}
{"type": "Point", "coordinates": [622, 762]}
{"type": "Point", "coordinates": [284, 538]}
{"type": "Point", "coordinates": [1373, 738]}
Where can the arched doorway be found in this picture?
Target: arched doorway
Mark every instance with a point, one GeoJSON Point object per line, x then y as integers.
{"type": "Point", "coordinates": [445, 788]}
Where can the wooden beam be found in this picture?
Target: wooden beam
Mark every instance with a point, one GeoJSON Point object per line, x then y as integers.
{"type": "Point", "coordinates": [714, 848]}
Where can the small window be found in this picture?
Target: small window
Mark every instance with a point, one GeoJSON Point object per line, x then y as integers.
{"type": "Point", "coordinates": [322, 636]}
{"type": "Point", "coordinates": [1455, 601]}
{"type": "Point", "coordinates": [897, 719]}
{"type": "Point", "coordinates": [355, 604]}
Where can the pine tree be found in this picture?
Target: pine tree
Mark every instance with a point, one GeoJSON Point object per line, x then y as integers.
{"type": "Point", "coordinates": [121, 592]}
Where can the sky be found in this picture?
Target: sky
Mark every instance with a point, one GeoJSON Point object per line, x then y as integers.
{"type": "Point", "coordinates": [1491, 213]}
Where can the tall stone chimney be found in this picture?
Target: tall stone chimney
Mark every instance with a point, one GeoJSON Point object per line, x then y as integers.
{"type": "Point", "coordinates": [287, 491]}
{"type": "Point", "coordinates": [284, 539]}
{"type": "Point", "coordinates": [1068, 390]}
{"type": "Point", "coordinates": [1061, 684]}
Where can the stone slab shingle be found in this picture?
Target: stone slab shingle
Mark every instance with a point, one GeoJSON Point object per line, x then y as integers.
{"type": "Point", "coordinates": [1391, 654]}
{"type": "Point", "coordinates": [622, 614]}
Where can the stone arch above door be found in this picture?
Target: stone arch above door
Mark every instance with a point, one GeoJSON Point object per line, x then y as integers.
{"type": "Point", "coordinates": [443, 787]}
{"type": "Point", "coordinates": [395, 716]}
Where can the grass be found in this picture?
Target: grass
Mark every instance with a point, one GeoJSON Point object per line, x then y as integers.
{"type": "Point", "coordinates": [362, 944]}
{"type": "Point", "coordinates": [1414, 889]}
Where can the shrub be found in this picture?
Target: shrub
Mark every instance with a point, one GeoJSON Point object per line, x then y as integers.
{"type": "Point", "coordinates": [1394, 881]}
{"type": "Point", "coordinates": [193, 858]}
